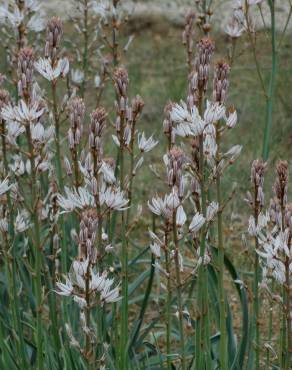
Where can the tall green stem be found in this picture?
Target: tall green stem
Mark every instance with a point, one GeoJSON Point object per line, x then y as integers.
{"type": "Point", "coordinates": [272, 85]}
{"type": "Point", "coordinates": [124, 319]}
{"type": "Point", "coordinates": [287, 312]}
{"type": "Point", "coordinates": [179, 293]}
{"type": "Point", "coordinates": [168, 301]}
{"type": "Point", "coordinates": [37, 250]}
{"type": "Point", "coordinates": [222, 306]}
{"type": "Point", "coordinates": [203, 330]}
{"type": "Point", "coordinates": [85, 47]}
{"type": "Point", "coordinates": [11, 270]}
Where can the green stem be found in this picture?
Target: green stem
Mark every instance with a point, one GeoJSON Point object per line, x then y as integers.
{"type": "Point", "coordinates": [179, 294]}
{"type": "Point", "coordinates": [37, 251]}
{"type": "Point", "coordinates": [203, 332]}
{"type": "Point", "coordinates": [222, 306]}
{"type": "Point", "coordinates": [287, 312]}
{"type": "Point", "coordinates": [272, 85]}
{"type": "Point", "coordinates": [168, 302]}
{"type": "Point", "coordinates": [270, 328]}
{"type": "Point", "coordinates": [124, 319]}
{"type": "Point", "coordinates": [256, 309]}
{"type": "Point", "coordinates": [85, 48]}
{"type": "Point", "coordinates": [59, 175]}
{"type": "Point", "coordinates": [11, 273]}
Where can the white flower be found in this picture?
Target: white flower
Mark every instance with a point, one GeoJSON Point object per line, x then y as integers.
{"type": "Point", "coordinates": [210, 145]}
{"type": "Point", "coordinates": [157, 206]}
{"type": "Point", "coordinates": [145, 145]}
{"type": "Point", "coordinates": [164, 207]}
{"type": "Point", "coordinates": [101, 8]}
{"type": "Point", "coordinates": [172, 200]}
{"type": "Point", "coordinates": [14, 129]}
{"type": "Point", "coordinates": [65, 289]}
{"type": "Point", "coordinates": [155, 238]}
{"type": "Point", "coordinates": [212, 210]}
{"type": "Point", "coordinates": [15, 18]}
{"type": "Point", "coordinates": [80, 267]}
{"type": "Point", "coordinates": [22, 113]}
{"type": "Point", "coordinates": [110, 296]}
{"type": "Point", "coordinates": [155, 249]}
{"type": "Point", "coordinates": [233, 152]}
{"type": "Point", "coordinates": [231, 120]}
{"type": "Point", "coordinates": [37, 132]}
{"type": "Point", "coordinates": [188, 123]}
{"type": "Point", "coordinates": [44, 67]}
{"type": "Point", "coordinates": [22, 221]}
{"type": "Point", "coordinates": [33, 5]}
{"type": "Point", "coordinates": [80, 301]}
{"type": "Point", "coordinates": [180, 113]}
{"type": "Point", "coordinates": [138, 164]}
{"type": "Point", "coordinates": [79, 198]}
{"type": "Point", "coordinates": [253, 228]}
{"type": "Point", "coordinates": [113, 198]}
{"type": "Point", "coordinates": [77, 76]}
{"type": "Point", "coordinates": [108, 173]}
{"type": "Point", "coordinates": [234, 29]}
{"type": "Point", "coordinates": [98, 282]}
{"type": "Point", "coordinates": [36, 23]}
{"type": "Point", "coordinates": [214, 112]}
{"type": "Point", "coordinates": [197, 222]}
{"type": "Point", "coordinates": [40, 134]}
{"type": "Point", "coordinates": [116, 140]}
{"type": "Point", "coordinates": [4, 186]}
{"type": "Point", "coordinates": [63, 65]}
{"type": "Point", "coordinates": [18, 166]}
{"type": "Point", "coordinates": [3, 225]}
{"type": "Point", "coordinates": [180, 216]}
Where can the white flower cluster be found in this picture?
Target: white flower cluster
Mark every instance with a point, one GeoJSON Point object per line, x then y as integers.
{"type": "Point", "coordinates": [4, 186]}
{"type": "Point", "coordinates": [190, 123]}
{"type": "Point", "coordinates": [31, 14]}
{"type": "Point", "coordinates": [48, 71]}
{"type": "Point", "coordinates": [110, 197]}
{"type": "Point", "coordinates": [274, 252]}
{"type": "Point", "coordinates": [75, 285]}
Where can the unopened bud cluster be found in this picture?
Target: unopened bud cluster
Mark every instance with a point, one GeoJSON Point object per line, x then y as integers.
{"type": "Point", "coordinates": [220, 82]}
{"type": "Point", "coordinates": [25, 72]}
{"type": "Point", "coordinates": [76, 116]}
{"type": "Point", "coordinates": [175, 162]}
{"type": "Point", "coordinates": [200, 75]}
{"type": "Point", "coordinates": [54, 34]}
{"type": "Point", "coordinates": [97, 125]}
{"type": "Point", "coordinates": [257, 178]}
{"type": "Point", "coordinates": [87, 236]}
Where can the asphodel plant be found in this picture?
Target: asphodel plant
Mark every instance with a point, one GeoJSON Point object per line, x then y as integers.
{"type": "Point", "coordinates": [95, 276]}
